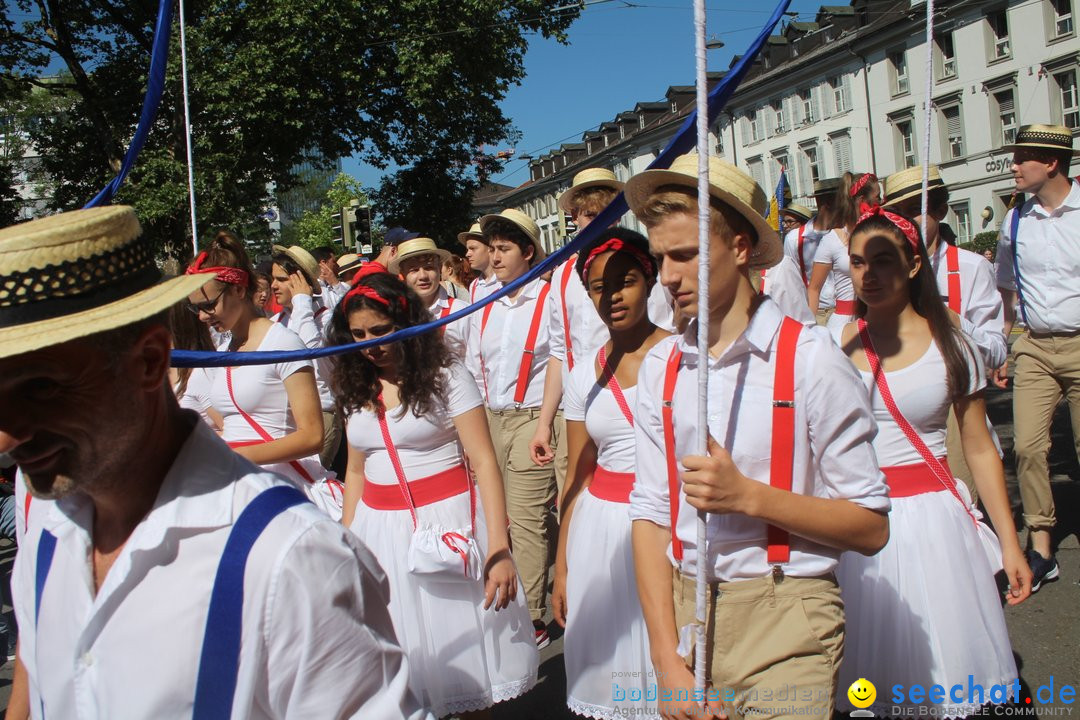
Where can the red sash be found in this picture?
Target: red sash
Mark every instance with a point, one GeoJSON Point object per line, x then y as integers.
{"type": "Point", "coordinates": [567, 269]}
{"type": "Point", "coordinates": [611, 486]}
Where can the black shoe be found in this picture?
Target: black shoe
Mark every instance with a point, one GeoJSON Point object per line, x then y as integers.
{"type": "Point", "coordinates": [1042, 569]}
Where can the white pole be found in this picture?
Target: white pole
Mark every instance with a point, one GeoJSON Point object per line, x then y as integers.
{"type": "Point", "coordinates": [702, 335]}
{"type": "Point", "coordinates": [187, 135]}
{"type": "Point", "coordinates": [929, 112]}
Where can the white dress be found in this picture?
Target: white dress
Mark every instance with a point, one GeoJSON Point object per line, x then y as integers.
{"type": "Point", "coordinates": [259, 391]}
{"type": "Point", "coordinates": [833, 252]}
{"type": "Point", "coordinates": [461, 656]}
{"type": "Point", "coordinates": [606, 641]}
{"type": "Point", "coordinates": [926, 609]}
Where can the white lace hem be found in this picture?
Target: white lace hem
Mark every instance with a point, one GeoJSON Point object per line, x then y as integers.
{"type": "Point", "coordinates": [603, 712]}
{"type": "Point", "coordinates": [498, 694]}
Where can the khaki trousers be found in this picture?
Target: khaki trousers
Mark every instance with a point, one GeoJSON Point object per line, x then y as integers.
{"type": "Point", "coordinates": [774, 646]}
{"type": "Point", "coordinates": [1046, 367]}
{"type": "Point", "coordinates": [561, 447]}
{"type": "Point", "coordinates": [954, 448]}
{"type": "Point", "coordinates": [530, 492]}
{"type": "Point", "coordinates": [331, 438]}
{"type": "Point", "coordinates": [823, 315]}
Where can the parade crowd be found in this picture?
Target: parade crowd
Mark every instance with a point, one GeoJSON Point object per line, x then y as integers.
{"type": "Point", "coordinates": [382, 533]}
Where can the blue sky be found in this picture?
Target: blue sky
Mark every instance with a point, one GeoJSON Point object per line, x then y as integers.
{"type": "Point", "coordinates": [619, 53]}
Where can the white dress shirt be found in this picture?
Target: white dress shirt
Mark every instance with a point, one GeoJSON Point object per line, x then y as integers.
{"type": "Point", "coordinates": [497, 351]}
{"type": "Point", "coordinates": [1049, 249]}
{"type": "Point", "coordinates": [980, 301]}
{"type": "Point", "coordinates": [783, 283]}
{"type": "Point", "coordinates": [311, 321]}
{"type": "Point", "coordinates": [481, 287]}
{"type": "Point", "coordinates": [317, 640]}
{"type": "Point", "coordinates": [332, 294]}
{"type": "Point", "coordinates": [833, 453]}
{"type": "Point", "coordinates": [455, 334]}
{"type": "Point", "coordinates": [811, 237]}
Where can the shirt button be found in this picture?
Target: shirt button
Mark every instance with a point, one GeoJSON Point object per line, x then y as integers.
{"type": "Point", "coordinates": [87, 660]}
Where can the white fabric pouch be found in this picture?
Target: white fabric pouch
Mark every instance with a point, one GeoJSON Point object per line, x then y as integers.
{"type": "Point", "coordinates": [445, 555]}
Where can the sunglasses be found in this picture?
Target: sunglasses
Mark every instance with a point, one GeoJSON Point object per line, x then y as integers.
{"type": "Point", "coordinates": [209, 307]}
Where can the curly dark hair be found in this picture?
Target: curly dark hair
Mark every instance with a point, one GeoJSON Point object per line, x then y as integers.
{"type": "Point", "coordinates": [355, 379]}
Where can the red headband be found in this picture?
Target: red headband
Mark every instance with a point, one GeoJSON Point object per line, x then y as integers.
{"type": "Point", "coordinates": [861, 183]}
{"type": "Point", "coordinates": [231, 275]}
{"type": "Point", "coordinates": [617, 245]}
{"type": "Point", "coordinates": [371, 294]}
{"type": "Point", "coordinates": [902, 224]}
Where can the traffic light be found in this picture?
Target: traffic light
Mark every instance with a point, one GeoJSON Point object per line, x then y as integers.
{"type": "Point", "coordinates": [363, 225]}
{"type": "Point", "coordinates": [348, 217]}
{"type": "Point", "coordinates": [337, 229]}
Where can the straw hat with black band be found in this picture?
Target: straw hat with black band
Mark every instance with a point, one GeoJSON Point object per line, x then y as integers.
{"type": "Point", "coordinates": [415, 248]}
{"type": "Point", "coordinates": [826, 186]}
{"type": "Point", "coordinates": [524, 223]}
{"type": "Point", "coordinates": [1043, 137]}
{"type": "Point", "coordinates": [303, 259]}
{"type": "Point", "coordinates": [80, 273]}
{"type": "Point", "coordinates": [475, 232]}
{"type": "Point", "coordinates": [726, 183]}
{"type": "Point", "coordinates": [588, 178]}
{"type": "Point", "coordinates": [799, 212]}
{"type": "Point", "coordinates": [347, 263]}
{"type": "Point", "coordinates": [908, 183]}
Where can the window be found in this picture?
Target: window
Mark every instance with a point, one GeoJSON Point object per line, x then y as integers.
{"type": "Point", "coordinates": [1062, 18]}
{"type": "Point", "coordinates": [952, 128]}
{"type": "Point", "coordinates": [842, 152]}
{"type": "Point", "coordinates": [998, 21]}
{"type": "Point", "coordinates": [905, 140]}
{"type": "Point", "coordinates": [947, 55]}
{"type": "Point", "coordinates": [779, 117]}
{"type": "Point", "coordinates": [961, 222]}
{"type": "Point", "coordinates": [779, 165]}
{"type": "Point", "coordinates": [641, 122]}
{"type": "Point", "coordinates": [1067, 99]}
{"type": "Point", "coordinates": [813, 161]}
{"type": "Point", "coordinates": [841, 93]}
{"type": "Point", "coordinates": [901, 85]}
{"type": "Point", "coordinates": [757, 131]}
{"type": "Point", "coordinates": [1005, 100]}
{"type": "Point", "coordinates": [809, 106]}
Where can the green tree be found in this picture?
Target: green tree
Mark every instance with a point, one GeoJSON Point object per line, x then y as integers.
{"type": "Point", "coordinates": [315, 227]}
{"type": "Point", "coordinates": [982, 242]}
{"type": "Point", "coordinates": [270, 82]}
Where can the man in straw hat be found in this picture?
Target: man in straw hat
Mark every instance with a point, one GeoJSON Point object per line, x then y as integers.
{"type": "Point", "coordinates": [1038, 263]}
{"type": "Point", "coordinates": [294, 280]}
{"type": "Point", "coordinates": [348, 264]}
{"type": "Point", "coordinates": [509, 344]}
{"type": "Point", "coordinates": [419, 262]}
{"type": "Point", "coordinates": [478, 255]}
{"type": "Point", "coordinates": [964, 279]}
{"type": "Point", "coordinates": [773, 385]}
{"type": "Point", "coordinates": [330, 287]}
{"type": "Point", "coordinates": [157, 568]}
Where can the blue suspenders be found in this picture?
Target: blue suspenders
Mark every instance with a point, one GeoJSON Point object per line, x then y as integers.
{"type": "Point", "coordinates": [220, 659]}
{"type": "Point", "coordinates": [1016, 262]}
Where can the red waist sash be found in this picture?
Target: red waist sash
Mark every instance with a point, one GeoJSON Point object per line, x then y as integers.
{"type": "Point", "coordinates": [845, 307]}
{"type": "Point", "coordinates": [611, 486]}
{"type": "Point", "coordinates": [425, 491]}
{"type": "Point", "coordinates": [916, 479]}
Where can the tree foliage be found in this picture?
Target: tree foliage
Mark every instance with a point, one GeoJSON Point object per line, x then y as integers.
{"type": "Point", "coordinates": [315, 227]}
{"type": "Point", "coordinates": [271, 83]}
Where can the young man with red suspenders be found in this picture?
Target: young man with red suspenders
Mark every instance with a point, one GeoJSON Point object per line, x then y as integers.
{"type": "Point", "coordinates": [478, 254]}
{"type": "Point", "coordinates": [509, 341]}
{"type": "Point", "coordinates": [790, 481]}
{"type": "Point", "coordinates": [800, 244]}
{"type": "Point", "coordinates": [419, 262]}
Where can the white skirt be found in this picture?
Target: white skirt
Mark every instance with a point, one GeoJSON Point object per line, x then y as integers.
{"type": "Point", "coordinates": [606, 646]}
{"type": "Point", "coordinates": [326, 492]}
{"type": "Point", "coordinates": [925, 610]}
{"type": "Point", "coordinates": [461, 656]}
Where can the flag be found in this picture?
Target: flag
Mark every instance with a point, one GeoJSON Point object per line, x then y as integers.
{"type": "Point", "coordinates": [777, 203]}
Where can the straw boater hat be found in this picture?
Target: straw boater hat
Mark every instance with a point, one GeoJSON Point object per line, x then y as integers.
{"type": "Point", "coordinates": [797, 211]}
{"type": "Point", "coordinates": [589, 178]}
{"type": "Point", "coordinates": [414, 248]}
{"type": "Point", "coordinates": [1043, 137]}
{"type": "Point", "coordinates": [908, 183]}
{"type": "Point", "coordinates": [303, 259]}
{"type": "Point", "coordinates": [80, 273]}
{"type": "Point", "coordinates": [475, 231]}
{"type": "Point", "coordinates": [827, 185]}
{"type": "Point", "coordinates": [524, 223]}
{"type": "Point", "coordinates": [726, 183]}
{"type": "Point", "coordinates": [347, 263]}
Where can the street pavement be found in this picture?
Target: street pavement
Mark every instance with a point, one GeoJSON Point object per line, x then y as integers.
{"type": "Point", "coordinates": [1044, 631]}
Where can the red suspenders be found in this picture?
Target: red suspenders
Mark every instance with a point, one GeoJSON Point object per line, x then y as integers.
{"type": "Point", "coordinates": [472, 289]}
{"type": "Point", "coordinates": [802, 261]}
{"type": "Point", "coordinates": [952, 265]}
{"type": "Point", "coordinates": [567, 269]}
{"type": "Point", "coordinates": [783, 435]}
{"type": "Point", "coordinates": [527, 353]}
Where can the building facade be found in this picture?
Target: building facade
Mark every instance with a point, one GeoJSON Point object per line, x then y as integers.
{"type": "Point", "coordinates": [847, 93]}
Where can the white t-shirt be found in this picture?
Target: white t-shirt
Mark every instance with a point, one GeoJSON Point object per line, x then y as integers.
{"type": "Point", "coordinates": [197, 393]}
{"type": "Point", "coordinates": [833, 252]}
{"type": "Point", "coordinates": [585, 399]}
{"type": "Point", "coordinates": [426, 445]}
{"type": "Point", "coordinates": [455, 334]}
{"type": "Point", "coordinates": [259, 390]}
{"type": "Point", "coordinates": [921, 393]}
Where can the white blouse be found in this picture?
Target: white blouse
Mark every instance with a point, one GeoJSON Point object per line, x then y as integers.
{"type": "Point", "coordinates": [585, 399]}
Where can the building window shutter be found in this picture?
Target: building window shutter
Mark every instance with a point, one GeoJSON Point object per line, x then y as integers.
{"type": "Point", "coordinates": [845, 92]}
{"type": "Point", "coordinates": [842, 150]}
{"type": "Point", "coordinates": [745, 131]}
{"type": "Point", "coordinates": [786, 106]}
{"type": "Point", "coordinates": [825, 99]}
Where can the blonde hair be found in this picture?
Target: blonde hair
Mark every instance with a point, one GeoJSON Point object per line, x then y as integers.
{"type": "Point", "coordinates": [591, 200]}
{"type": "Point", "coordinates": [672, 199]}
{"type": "Point", "coordinates": [846, 208]}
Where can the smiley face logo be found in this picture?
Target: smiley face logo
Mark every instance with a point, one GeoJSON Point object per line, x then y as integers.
{"type": "Point", "coordinates": [862, 693]}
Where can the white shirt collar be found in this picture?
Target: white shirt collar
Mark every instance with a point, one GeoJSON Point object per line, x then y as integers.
{"type": "Point", "coordinates": [758, 337]}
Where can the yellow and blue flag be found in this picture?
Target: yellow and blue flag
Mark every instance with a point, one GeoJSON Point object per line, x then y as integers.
{"type": "Point", "coordinates": [777, 203]}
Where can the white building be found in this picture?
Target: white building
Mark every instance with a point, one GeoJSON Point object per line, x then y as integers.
{"type": "Point", "coordinates": [846, 92]}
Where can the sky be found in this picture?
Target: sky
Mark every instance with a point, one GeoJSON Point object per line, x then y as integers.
{"type": "Point", "coordinates": [619, 52]}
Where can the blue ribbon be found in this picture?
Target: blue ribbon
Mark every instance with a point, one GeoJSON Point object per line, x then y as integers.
{"type": "Point", "coordinates": [155, 86]}
{"type": "Point", "coordinates": [683, 142]}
